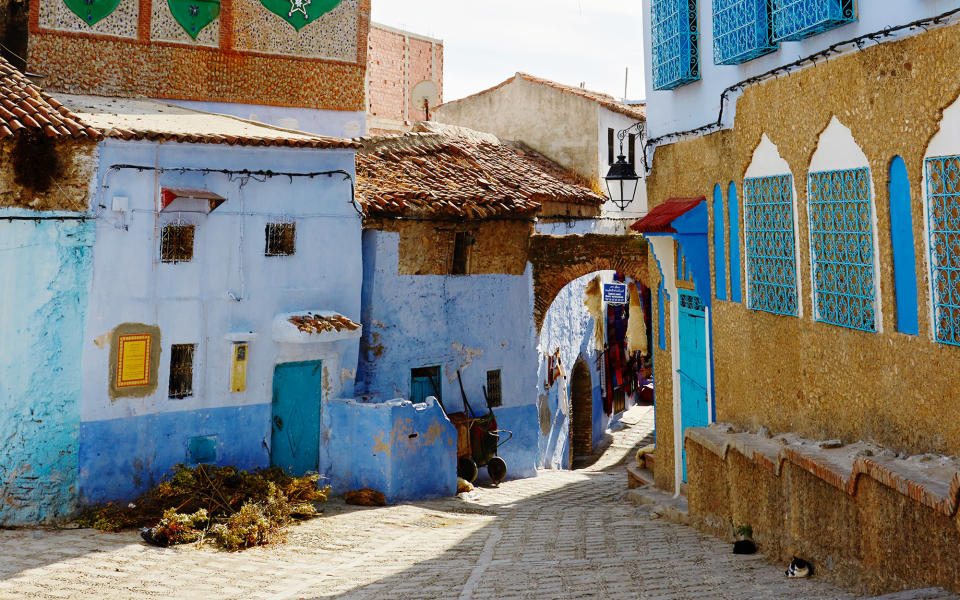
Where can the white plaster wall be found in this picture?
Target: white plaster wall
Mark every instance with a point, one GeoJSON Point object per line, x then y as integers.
{"type": "Point", "coordinates": [767, 162]}
{"type": "Point", "coordinates": [618, 122]}
{"type": "Point", "coordinates": [698, 103]}
{"type": "Point", "coordinates": [333, 123]}
{"type": "Point", "coordinates": [946, 142]}
{"type": "Point", "coordinates": [838, 150]}
{"type": "Point", "coordinates": [194, 302]}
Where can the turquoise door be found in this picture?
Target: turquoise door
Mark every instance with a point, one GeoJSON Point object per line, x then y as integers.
{"type": "Point", "coordinates": [295, 442]}
{"type": "Point", "coordinates": [693, 365]}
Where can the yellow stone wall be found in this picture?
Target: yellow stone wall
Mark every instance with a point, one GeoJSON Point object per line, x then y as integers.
{"type": "Point", "coordinates": [789, 373]}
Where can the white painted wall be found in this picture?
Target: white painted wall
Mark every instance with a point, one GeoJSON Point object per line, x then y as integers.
{"type": "Point", "coordinates": [618, 122]}
{"type": "Point", "coordinates": [767, 162]}
{"type": "Point", "coordinates": [837, 150]}
{"type": "Point", "coordinates": [698, 103]}
{"type": "Point", "coordinates": [333, 123]}
{"type": "Point", "coordinates": [191, 302]}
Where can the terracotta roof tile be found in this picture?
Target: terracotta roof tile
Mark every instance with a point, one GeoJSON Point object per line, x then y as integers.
{"type": "Point", "coordinates": [26, 107]}
{"type": "Point", "coordinates": [636, 111]}
{"type": "Point", "coordinates": [455, 172]}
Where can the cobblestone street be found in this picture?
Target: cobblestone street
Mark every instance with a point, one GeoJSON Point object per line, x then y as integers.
{"type": "Point", "coordinates": [559, 535]}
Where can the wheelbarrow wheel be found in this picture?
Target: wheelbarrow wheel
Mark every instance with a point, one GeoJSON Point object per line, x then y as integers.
{"type": "Point", "coordinates": [467, 469]}
{"type": "Point", "coordinates": [497, 469]}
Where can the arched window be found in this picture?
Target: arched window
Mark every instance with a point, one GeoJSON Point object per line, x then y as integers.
{"type": "Point", "coordinates": [904, 257]}
{"type": "Point", "coordinates": [733, 242]}
{"type": "Point", "coordinates": [771, 250]}
{"type": "Point", "coordinates": [719, 249]}
{"type": "Point", "coordinates": [943, 226]}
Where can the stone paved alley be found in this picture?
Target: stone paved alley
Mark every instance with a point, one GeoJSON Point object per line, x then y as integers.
{"type": "Point", "coordinates": [559, 535]}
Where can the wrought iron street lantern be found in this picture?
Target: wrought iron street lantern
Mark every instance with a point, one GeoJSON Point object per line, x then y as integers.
{"type": "Point", "coordinates": [622, 179]}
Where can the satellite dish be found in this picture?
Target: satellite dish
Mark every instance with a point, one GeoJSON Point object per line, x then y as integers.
{"type": "Point", "coordinates": [425, 95]}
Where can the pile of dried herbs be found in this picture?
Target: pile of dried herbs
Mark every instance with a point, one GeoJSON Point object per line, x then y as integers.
{"type": "Point", "coordinates": [231, 508]}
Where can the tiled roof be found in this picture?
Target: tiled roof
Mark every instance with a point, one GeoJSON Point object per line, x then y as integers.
{"type": "Point", "coordinates": [316, 323]}
{"type": "Point", "coordinates": [143, 119]}
{"type": "Point", "coordinates": [24, 107]}
{"type": "Point", "coordinates": [452, 171]}
{"type": "Point", "coordinates": [660, 219]}
{"type": "Point", "coordinates": [635, 111]}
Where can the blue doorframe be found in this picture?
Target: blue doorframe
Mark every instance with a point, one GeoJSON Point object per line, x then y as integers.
{"type": "Point", "coordinates": [297, 396]}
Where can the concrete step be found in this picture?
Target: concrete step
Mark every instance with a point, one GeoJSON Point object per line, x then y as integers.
{"type": "Point", "coordinates": [637, 477]}
{"type": "Point", "coordinates": [663, 503]}
{"type": "Point", "coordinates": [924, 594]}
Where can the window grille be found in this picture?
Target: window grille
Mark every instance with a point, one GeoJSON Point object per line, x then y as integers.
{"type": "Point", "coordinates": [943, 198]}
{"type": "Point", "coordinates": [741, 30]}
{"type": "Point", "coordinates": [770, 243]}
{"type": "Point", "coordinates": [281, 239]}
{"type": "Point", "coordinates": [181, 370]}
{"type": "Point", "coordinates": [798, 19]}
{"type": "Point", "coordinates": [176, 243]}
{"type": "Point", "coordinates": [462, 241]}
{"type": "Point", "coordinates": [610, 145]}
{"type": "Point", "coordinates": [494, 390]}
{"type": "Point", "coordinates": [675, 36]}
{"type": "Point", "coordinates": [841, 245]}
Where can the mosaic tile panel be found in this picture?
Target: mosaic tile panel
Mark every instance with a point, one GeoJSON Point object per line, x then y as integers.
{"type": "Point", "coordinates": [332, 36]}
{"type": "Point", "coordinates": [122, 22]}
{"type": "Point", "coordinates": [164, 28]}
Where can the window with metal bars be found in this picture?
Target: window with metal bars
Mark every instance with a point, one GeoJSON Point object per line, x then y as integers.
{"type": "Point", "coordinates": [176, 243]}
{"type": "Point", "coordinates": [675, 36]}
{"type": "Point", "coordinates": [462, 241]}
{"type": "Point", "coordinates": [632, 149]}
{"type": "Point", "coordinates": [771, 244]}
{"type": "Point", "coordinates": [742, 30]}
{"type": "Point", "coordinates": [181, 370]}
{"type": "Point", "coordinates": [281, 239]}
{"type": "Point", "coordinates": [494, 391]}
{"type": "Point", "coordinates": [943, 214]}
{"type": "Point", "coordinates": [841, 248]}
{"type": "Point", "coordinates": [611, 145]}
{"type": "Point", "coordinates": [798, 19]}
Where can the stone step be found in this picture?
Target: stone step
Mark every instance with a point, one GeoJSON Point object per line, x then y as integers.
{"type": "Point", "coordinates": [637, 477]}
{"type": "Point", "coordinates": [663, 503]}
{"type": "Point", "coordinates": [924, 594]}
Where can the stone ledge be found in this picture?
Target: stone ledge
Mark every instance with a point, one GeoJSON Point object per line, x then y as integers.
{"type": "Point", "coordinates": [933, 481]}
{"type": "Point", "coordinates": [664, 504]}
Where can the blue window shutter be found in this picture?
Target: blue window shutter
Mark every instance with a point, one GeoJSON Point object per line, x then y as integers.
{"type": "Point", "coordinates": [798, 19]}
{"type": "Point", "coordinates": [719, 248]}
{"type": "Point", "coordinates": [943, 202]}
{"type": "Point", "coordinates": [733, 211]}
{"type": "Point", "coordinates": [904, 256]}
{"type": "Point", "coordinates": [770, 244]}
{"type": "Point", "coordinates": [741, 31]}
{"type": "Point", "coordinates": [674, 40]}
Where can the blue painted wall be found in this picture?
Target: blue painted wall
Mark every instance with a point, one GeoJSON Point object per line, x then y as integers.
{"type": "Point", "coordinates": [407, 451]}
{"type": "Point", "coordinates": [44, 279]}
{"type": "Point", "coordinates": [733, 243]}
{"type": "Point", "coordinates": [719, 247]}
{"type": "Point", "coordinates": [229, 289]}
{"type": "Point", "coordinates": [473, 323]}
{"type": "Point", "coordinates": [904, 255]}
{"type": "Point", "coordinates": [121, 458]}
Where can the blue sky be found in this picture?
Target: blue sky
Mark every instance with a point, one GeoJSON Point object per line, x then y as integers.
{"type": "Point", "coordinates": [487, 41]}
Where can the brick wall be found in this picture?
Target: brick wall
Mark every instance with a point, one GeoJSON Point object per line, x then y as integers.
{"type": "Point", "coordinates": [396, 62]}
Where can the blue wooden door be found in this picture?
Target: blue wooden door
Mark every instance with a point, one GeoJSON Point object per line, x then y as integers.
{"type": "Point", "coordinates": [693, 365]}
{"type": "Point", "coordinates": [297, 392]}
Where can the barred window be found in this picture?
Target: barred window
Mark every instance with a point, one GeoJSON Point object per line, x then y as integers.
{"type": "Point", "coordinates": [462, 241]}
{"type": "Point", "coordinates": [675, 36]}
{"type": "Point", "coordinates": [181, 370]}
{"type": "Point", "coordinates": [841, 245]}
{"type": "Point", "coordinates": [943, 208]}
{"type": "Point", "coordinates": [176, 243]}
{"type": "Point", "coordinates": [798, 19]}
{"type": "Point", "coordinates": [741, 30]}
{"type": "Point", "coordinates": [281, 239]}
{"type": "Point", "coordinates": [770, 244]}
{"type": "Point", "coordinates": [494, 391]}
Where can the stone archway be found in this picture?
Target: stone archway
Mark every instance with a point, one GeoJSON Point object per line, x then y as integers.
{"type": "Point", "coordinates": [581, 409]}
{"type": "Point", "coordinates": [558, 260]}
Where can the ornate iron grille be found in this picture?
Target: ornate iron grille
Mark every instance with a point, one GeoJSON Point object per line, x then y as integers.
{"type": "Point", "coordinates": [176, 243]}
{"type": "Point", "coordinates": [181, 370]}
{"type": "Point", "coordinates": [494, 389]}
{"type": "Point", "coordinates": [281, 239]}
{"type": "Point", "coordinates": [770, 243]}
{"type": "Point", "coordinates": [691, 302]}
{"type": "Point", "coordinates": [841, 245]}
{"type": "Point", "coordinates": [798, 19]}
{"type": "Point", "coordinates": [675, 36]}
{"type": "Point", "coordinates": [742, 30]}
{"type": "Point", "coordinates": [943, 199]}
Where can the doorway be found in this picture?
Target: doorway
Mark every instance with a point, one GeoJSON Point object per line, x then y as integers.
{"type": "Point", "coordinates": [581, 407]}
{"type": "Point", "coordinates": [295, 438]}
{"type": "Point", "coordinates": [693, 365]}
